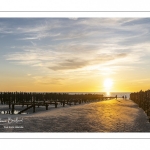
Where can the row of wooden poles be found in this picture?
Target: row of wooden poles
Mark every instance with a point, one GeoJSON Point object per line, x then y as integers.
{"type": "Point", "coordinates": [142, 98]}
{"type": "Point", "coordinates": [19, 97]}
{"type": "Point", "coordinates": [31, 100]}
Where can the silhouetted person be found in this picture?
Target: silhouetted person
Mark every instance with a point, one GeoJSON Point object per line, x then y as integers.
{"type": "Point", "coordinates": [123, 97]}
{"type": "Point", "coordinates": [116, 96]}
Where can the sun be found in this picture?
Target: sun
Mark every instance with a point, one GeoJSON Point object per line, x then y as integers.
{"type": "Point", "coordinates": [108, 83]}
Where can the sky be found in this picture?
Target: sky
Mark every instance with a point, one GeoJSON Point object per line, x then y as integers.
{"type": "Point", "coordinates": [74, 54]}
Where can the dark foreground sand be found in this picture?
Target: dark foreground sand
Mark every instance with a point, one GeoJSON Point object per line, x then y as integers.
{"type": "Point", "coordinates": [106, 116]}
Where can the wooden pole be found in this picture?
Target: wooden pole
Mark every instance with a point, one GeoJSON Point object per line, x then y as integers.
{"type": "Point", "coordinates": [55, 104]}
{"type": "Point", "coordinates": [9, 104]}
{"type": "Point", "coordinates": [34, 108]}
{"type": "Point", "coordinates": [46, 106]}
{"type": "Point", "coordinates": [63, 103]}
{"type": "Point", "coordinates": [13, 107]}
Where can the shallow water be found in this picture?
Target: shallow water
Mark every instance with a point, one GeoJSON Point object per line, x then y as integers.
{"type": "Point", "coordinates": [113, 94]}
{"type": "Point", "coordinates": [9, 112]}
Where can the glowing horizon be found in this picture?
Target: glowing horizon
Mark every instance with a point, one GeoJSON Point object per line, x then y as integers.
{"type": "Point", "coordinates": [74, 55]}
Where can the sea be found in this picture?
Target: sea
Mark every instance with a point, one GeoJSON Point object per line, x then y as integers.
{"type": "Point", "coordinates": [109, 94]}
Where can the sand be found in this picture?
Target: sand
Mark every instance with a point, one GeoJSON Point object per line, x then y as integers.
{"type": "Point", "coordinates": [106, 116]}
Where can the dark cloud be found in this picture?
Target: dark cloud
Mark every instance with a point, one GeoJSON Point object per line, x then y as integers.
{"type": "Point", "coordinates": [70, 64]}
{"type": "Point", "coordinates": [75, 63]}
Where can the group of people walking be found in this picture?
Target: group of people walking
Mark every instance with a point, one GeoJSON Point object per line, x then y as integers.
{"type": "Point", "coordinates": [124, 97]}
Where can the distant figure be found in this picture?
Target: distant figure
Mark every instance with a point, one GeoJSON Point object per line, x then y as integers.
{"type": "Point", "coordinates": [116, 96]}
{"type": "Point", "coordinates": [123, 97]}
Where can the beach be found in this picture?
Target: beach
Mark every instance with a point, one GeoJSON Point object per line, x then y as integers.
{"type": "Point", "coordinates": [121, 115]}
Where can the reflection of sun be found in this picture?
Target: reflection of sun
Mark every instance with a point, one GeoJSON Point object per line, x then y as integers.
{"type": "Point", "coordinates": [108, 84]}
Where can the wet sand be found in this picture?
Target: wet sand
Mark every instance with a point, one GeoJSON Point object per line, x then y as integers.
{"type": "Point", "coordinates": [106, 116]}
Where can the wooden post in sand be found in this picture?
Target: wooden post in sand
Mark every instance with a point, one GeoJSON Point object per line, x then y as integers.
{"type": "Point", "coordinates": [12, 109]}
{"type": "Point", "coordinates": [63, 103]}
{"type": "Point", "coordinates": [33, 108]}
{"type": "Point", "coordinates": [46, 106]}
{"type": "Point", "coordinates": [79, 101]}
{"type": "Point", "coordinates": [9, 104]}
{"type": "Point", "coordinates": [55, 104]}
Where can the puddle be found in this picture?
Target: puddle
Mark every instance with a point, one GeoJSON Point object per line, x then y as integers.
{"type": "Point", "coordinates": [15, 112]}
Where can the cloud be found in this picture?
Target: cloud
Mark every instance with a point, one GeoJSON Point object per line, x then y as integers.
{"type": "Point", "coordinates": [69, 64]}
{"type": "Point", "coordinates": [34, 44]}
{"type": "Point", "coordinates": [80, 63]}
{"type": "Point", "coordinates": [47, 80]}
{"type": "Point", "coordinates": [33, 29]}
{"type": "Point", "coordinates": [74, 18]}
{"type": "Point", "coordinates": [122, 31]}
{"type": "Point", "coordinates": [39, 36]}
{"type": "Point", "coordinates": [79, 45]}
{"type": "Point", "coordinates": [62, 57]}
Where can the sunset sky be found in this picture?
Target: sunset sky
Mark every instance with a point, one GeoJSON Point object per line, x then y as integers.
{"type": "Point", "coordinates": [74, 54]}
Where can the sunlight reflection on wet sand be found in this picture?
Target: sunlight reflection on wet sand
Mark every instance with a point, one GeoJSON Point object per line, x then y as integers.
{"type": "Point", "coordinates": [105, 116]}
